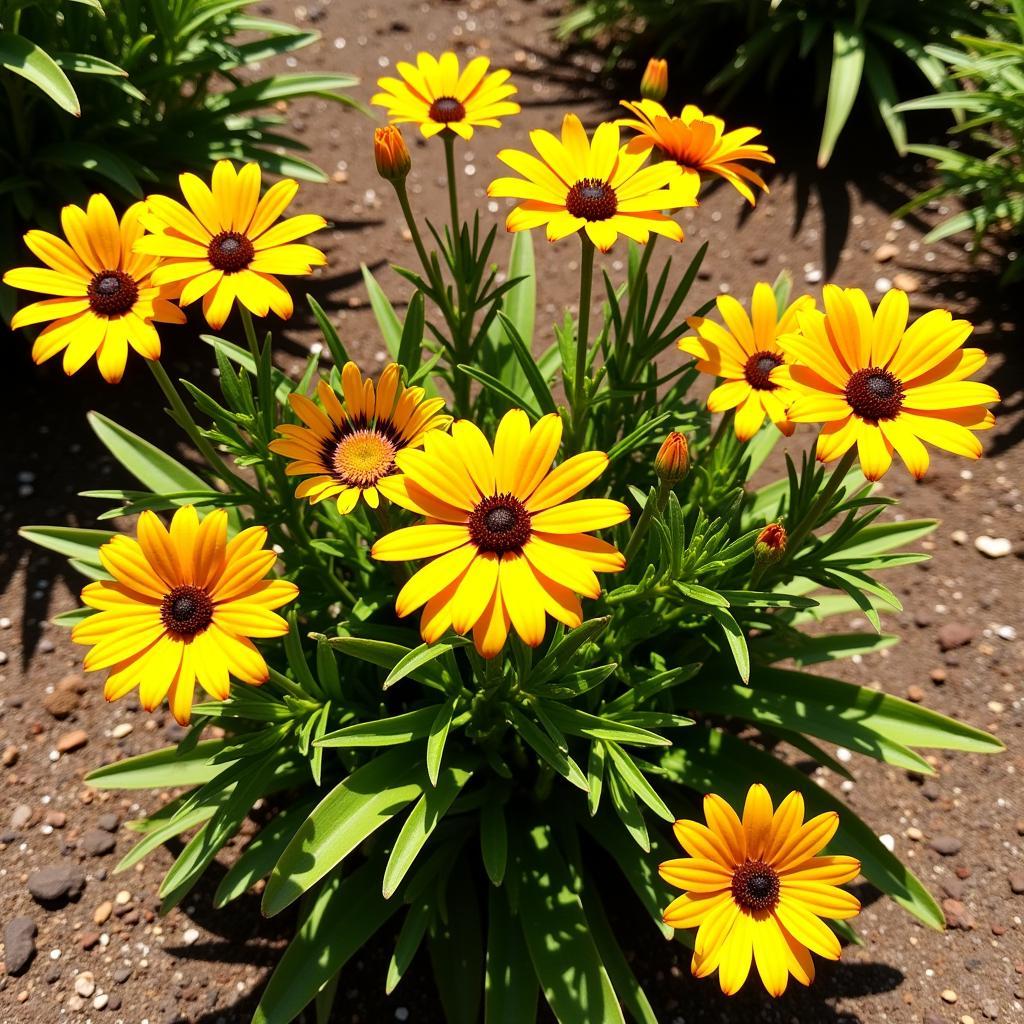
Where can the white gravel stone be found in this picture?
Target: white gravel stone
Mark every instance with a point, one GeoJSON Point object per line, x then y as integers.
{"type": "Point", "coordinates": [993, 547]}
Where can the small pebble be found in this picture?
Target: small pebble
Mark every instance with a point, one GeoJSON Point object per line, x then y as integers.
{"type": "Point", "coordinates": [993, 547]}
{"type": "Point", "coordinates": [85, 984]}
{"type": "Point", "coordinates": [949, 996]}
{"type": "Point", "coordinates": [190, 936]}
{"type": "Point", "coordinates": [120, 731]}
{"type": "Point", "coordinates": [946, 846]}
{"type": "Point", "coordinates": [74, 740]}
{"type": "Point", "coordinates": [102, 912]}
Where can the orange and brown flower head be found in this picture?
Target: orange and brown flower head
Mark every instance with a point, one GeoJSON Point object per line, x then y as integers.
{"type": "Point", "coordinates": [757, 888]}
{"type": "Point", "coordinates": [672, 462]}
{"type": "Point", "coordinates": [654, 84]}
{"type": "Point", "coordinates": [105, 298]}
{"type": "Point", "coordinates": [592, 185]}
{"type": "Point", "coordinates": [744, 350]}
{"type": "Point", "coordinates": [225, 242]}
{"type": "Point", "coordinates": [391, 154]}
{"type": "Point", "coordinates": [770, 545]}
{"type": "Point", "coordinates": [698, 143]}
{"type": "Point", "coordinates": [348, 448]}
{"type": "Point", "coordinates": [878, 384]}
{"type": "Point", "coordinates": [435, 94]}
{"type": "Point", "coordinates": [507, 545]}
{"type": "Point", "coordinates": [182, 605]}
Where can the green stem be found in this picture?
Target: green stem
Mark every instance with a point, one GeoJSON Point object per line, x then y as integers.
{"type": "Point", "coordinates": [284, 683]}
{"type": "Point", "coordinates": [582, 335]}
{"type": "Point", "coordinates": [185, 421]}
{"type": "Point", "coordinates": [644, 522]}
{"type": "Point", "coordinates": [403, 200]}
{"type": "Point", "coordinates": [803, 528]}
{"type": "Point", "coordinates": [453, 194]}
{"type": "Point", "coordinates": [250, 335]}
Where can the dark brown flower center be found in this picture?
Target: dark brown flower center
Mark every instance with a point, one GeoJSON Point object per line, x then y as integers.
{"type": "Point", "coordinates": [592, 199]}
{"type": "Point", "coordinates": [230, 251]}
{"type": "Point", "coordinates": [875, 394]}
{"type": "Point", "coordinates": [445, 109]}
{"type": "Point", "coordinates": [362, 457]}
{"type": "Point", "coordinates": [758, 370]}
{"type": "Point", "coordinates": [112, 293]}
{"type": "Point", "coordinates": [499, 524]}
{"type": "Point", "coordinates": [186, 611]}
{"type": "Point", "coordinates": [755, 886]}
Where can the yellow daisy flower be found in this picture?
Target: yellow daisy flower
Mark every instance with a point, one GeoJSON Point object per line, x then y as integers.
{"type": "Point", "coordinates": [182, 606]}
{"type": "Point", "coordinates": [510, 547]}
{"type": "Point", "coordinates": [105, 295]}
{"type": "Point", "coordinates": [592, 185]}
{"type": "Point", "coordinates": [225, 244]}
{"type": "Point", "coordinates": [698, 143]}
{"type": "Point", "coordinates": [435, 95]}
{"type": "Point", "coordinates": [349, 447]}
{"type": "Point", "coordinates": [745, 351]}
{"type": "Point", "coordinates": [757, 888]}
{"type": "Point", "coordinates": [877, 383]}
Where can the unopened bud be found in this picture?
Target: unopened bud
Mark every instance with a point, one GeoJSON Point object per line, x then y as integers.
{"type": "Point", "coordinates": [673, 459]}
{"type": "Point", "coordinates": [654, 84]}
{"type": "Point", "coordinates": [770, 545]}
{"type": "Point", "coordinates": [391, 153]}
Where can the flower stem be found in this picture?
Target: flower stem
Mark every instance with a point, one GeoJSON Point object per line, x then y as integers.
{"type": "Point", "coordinates": [250, 335]}
{"type": "Point", "coordinates": [403, 200]}
{"type": "Point", "coordinates": [582, 333]}
{"type": "Point", "coordinates": [453, 194]}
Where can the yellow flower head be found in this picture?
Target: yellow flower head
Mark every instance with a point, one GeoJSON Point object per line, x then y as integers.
{"type": "Point", "coordinates": [592, 185]}
{"type": "Point", "coordinates": [435, 95]}
{"type": "Point", "coordinates": [348, 448]}
{"type": "Point", "coordinates": [698, 143]}
{"type": "Point", "coordinates": [507, 545]}
{"type": "Point", "coordinates": [745, 351]}
{"type": "Point", "coordinates": [105, 295]}
{"type": "Point", "coordinates": [225, 243]}
{"type": "Point", "coordinates": [182, 606]}
{"type": "Point", "coordinates": [757, 888]}
{"type": "Point", "coordinates": [877, 383]}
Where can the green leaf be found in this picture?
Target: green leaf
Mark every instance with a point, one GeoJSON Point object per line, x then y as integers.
{"type": "Point", "coordinates": [256, 860]}
{"type": "Point", "coordinates": [370, 797]}
{"type": "Point", "coordinates": [457, 956]}
{"type": "Point", "coordinates": [883, 88]}
{"type": "Point", "coordinates": [147, 463]}
{"type": "Point", "coordinates": [343, 916]}
{"type": "Point", "coordinates": [492, 383]}
{"type": "Point", "coordinates": [539, 386]}
{"type": "Point", "coordinates": [572, 975]}
{"type": "Point", "coordinates": [547, 751]}
{"type": "Point", "coordinates": [422, 820]}
{"type": "Point", "coordinates": [494, 840]}
{"type": "Point", "coordinates": [22, 57]}
{"type": "Point", "coordinates": [437, 737]}
{"type": "Point", "coordinates": [510, 982]}
{"type": "Point", "coordinates": [82, 545]}
{"type": "Point", "coordinates": [334, 343]}
{"type": "Point", "coordinates": [419, 656]}
{"type": "Point", "coordinates": [638, 782]}
{"type": "Point", "coordinates": [848, 50]}
{"type": "Point", "coordinates": [386, 655]}
{"type": "Point", "coordinates": [387, 319]}
{"type": "Point", "coordinates": [161, 769]}
{"type": "Point", "coordinates": [385, 732]}
{"type": "Point", "coordinates": [410, 937]}
{"type": "Point", "coordinates": [735, 639]}
{"type": "Point", "coordinates": [598, 727]}
{"type": "Point", "coordinates": [701, 595]}
{"type": "Point", "coordinates": [714, 762]}
{"type": "Point", "coordinates": [519, 304]}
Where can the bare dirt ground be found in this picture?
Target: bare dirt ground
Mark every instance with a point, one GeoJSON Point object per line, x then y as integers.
{"type": "Point", "coordinates": [108, 956]}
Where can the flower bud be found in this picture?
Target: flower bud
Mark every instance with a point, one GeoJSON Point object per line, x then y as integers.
{"type": "Point", "coordinates": [391, 153]}
{"type": "Point", "coordinates": [673, 459]}
{"type": "Point", "coordinates": [654, 84]}
{"type": "Point", "coordinates": [770, 545]}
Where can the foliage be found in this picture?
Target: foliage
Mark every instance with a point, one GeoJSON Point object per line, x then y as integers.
{"type": "Point", "coordinates": [492, 806]}
{"type": "Point", "coordinates": [854, 45]}
{"type": "Point", "coordinates": [984, 168]}
{"type": "Point", "coordinates": [125, 94]}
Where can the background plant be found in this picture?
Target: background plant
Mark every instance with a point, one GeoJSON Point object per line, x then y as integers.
{"type": "Point", "coordinates": [984, 167]}
{"type": "Point", "coordinates": [125, 94]}
{"type": "Point", "coordinates": [858, 48]}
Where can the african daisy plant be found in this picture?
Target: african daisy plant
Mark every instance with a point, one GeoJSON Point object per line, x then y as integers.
{"type": "Point", "coordinates": [478, 626]}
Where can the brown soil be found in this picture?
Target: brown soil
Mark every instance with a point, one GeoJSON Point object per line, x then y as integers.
{"type": "Point", "coordinates": [158, 969]}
